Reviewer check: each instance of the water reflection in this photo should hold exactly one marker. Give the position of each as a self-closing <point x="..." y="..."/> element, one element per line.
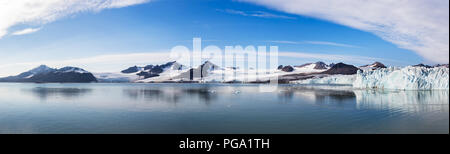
<point x="172" y="95"/>
<point x="68" y="93"/>
<point x="205" y="94"/>
<point x="407" y="101"/>
<point x="339" y="98"/>
<point x="318" y="96"/>
<point x="332" y="96"/>
<point x="153" y="95"/>
<point x="221" y="108"/>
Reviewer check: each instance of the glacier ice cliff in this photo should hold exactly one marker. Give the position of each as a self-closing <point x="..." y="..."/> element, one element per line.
<point x="408" y="78"/>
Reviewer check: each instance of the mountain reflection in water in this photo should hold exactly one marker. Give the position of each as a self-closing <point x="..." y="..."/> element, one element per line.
<point x="171" y="95"/>
<point x="67" y="93"/>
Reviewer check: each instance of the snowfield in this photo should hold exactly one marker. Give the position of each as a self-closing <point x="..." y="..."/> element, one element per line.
<point x="333" y="79"/>
<point x="116" y="77"/>
<point x="172" y="74"/>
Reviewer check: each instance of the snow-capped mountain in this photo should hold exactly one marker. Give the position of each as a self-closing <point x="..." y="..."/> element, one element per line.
<point x="209" y="72"/>
<point x="312" y="67"/>
<point x="180" y="73"/>
<point x="39" y="69"/>
<point x="328" y="74"/>
<point x="141" y="74"/>
<point x="341" y="68"/>
<point x="46" y="74"/>
<point x="374" y="66"/>
<point x="316" y="70"/>
<point x="286" y="68"/>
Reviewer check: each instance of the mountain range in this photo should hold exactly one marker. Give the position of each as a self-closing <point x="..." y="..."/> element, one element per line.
<point x="206" y="72"/>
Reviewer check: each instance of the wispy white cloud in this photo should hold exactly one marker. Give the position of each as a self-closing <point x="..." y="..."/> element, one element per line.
<point x="331" y="44"/>
<point x="15" y="12"/>
<point x="418" y="25"/>
<point x="317" y="43"/>
<point x="260" y="14"/>
<point x="26" y="31"/>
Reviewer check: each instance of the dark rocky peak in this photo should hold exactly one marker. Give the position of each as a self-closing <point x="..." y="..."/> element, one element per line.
<point x="341" y="68"/>
<point x="148" y="67"/>
<point x="287" y="69"/>
<point x="376" y="65"/>
<point x="423" y="65"/>
<point x="133" y="69"/>
<point x="379" y="65"/>
<point x="150" y="71"/>
<point x="169" y="64"/>
<point x="160" y="68"/>
<point x="280" y="67"/>
<point x="441" y="65"/>
<point x="332" y="64"/>
<point x="320" y="66"/>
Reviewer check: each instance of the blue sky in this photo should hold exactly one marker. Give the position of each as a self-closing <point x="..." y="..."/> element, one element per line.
<point x="157" y="26"/>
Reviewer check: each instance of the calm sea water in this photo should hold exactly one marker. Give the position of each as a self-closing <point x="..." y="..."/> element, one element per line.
<point x="217" y="108"/>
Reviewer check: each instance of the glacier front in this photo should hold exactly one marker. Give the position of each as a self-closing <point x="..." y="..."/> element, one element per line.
<point x="407" y="78"/>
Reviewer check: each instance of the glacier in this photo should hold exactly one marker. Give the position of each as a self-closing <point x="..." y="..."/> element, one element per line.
<point x="407" y="78"/>
<point x="333" y="79"/>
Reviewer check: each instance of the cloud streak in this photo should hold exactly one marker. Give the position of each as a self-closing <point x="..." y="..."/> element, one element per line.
<point x="26" y="31"/>
<point x="317" y="43"/>
<point x="418" y="25"/>
<point x="17" y="12"/>
<point x="260" y="14"/>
